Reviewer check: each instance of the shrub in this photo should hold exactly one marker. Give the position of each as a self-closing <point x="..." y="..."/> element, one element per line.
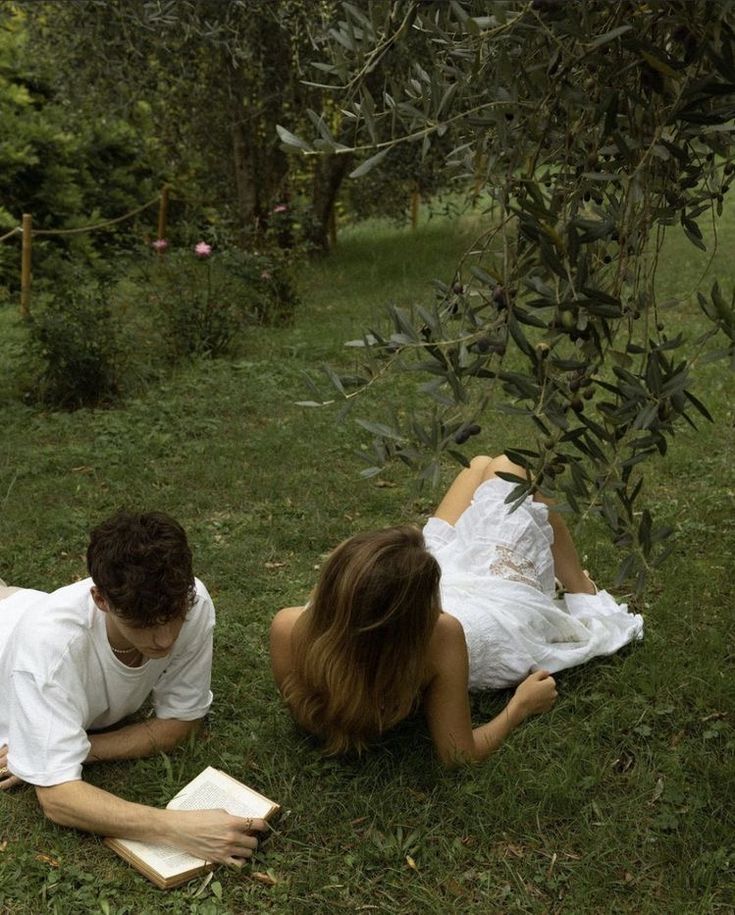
<point x="206" y="299"/>
<point x="76" y="341"/>
<point x="202" y="308"/>
<point x="272" y="300"/>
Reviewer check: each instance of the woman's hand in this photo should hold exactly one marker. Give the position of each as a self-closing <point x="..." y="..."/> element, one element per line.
<point x="536" y="694"/>
<point x="6" y="779"/>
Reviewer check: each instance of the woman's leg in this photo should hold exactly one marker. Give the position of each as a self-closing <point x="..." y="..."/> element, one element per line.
<point x="567" y="567"/>
<point x="459" y="495"/>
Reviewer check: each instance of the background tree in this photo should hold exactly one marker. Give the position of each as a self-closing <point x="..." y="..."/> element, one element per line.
<point x="216" y="77"/>
<point x="591" y="127"/>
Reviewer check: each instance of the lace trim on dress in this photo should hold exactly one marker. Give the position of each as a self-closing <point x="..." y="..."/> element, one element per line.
<point x="509" y="565"/>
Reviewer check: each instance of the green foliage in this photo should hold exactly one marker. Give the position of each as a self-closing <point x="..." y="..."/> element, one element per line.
<point x="207" y="301"/>
<point x="272" y="298"/>
<point x="585" y="136"/>
<point x="76" y="340"/>
<point x="108" y="332"/>
<point x="591" y="809"/>
<point x="202" y="307"/>
<point x="216" y="76"/>
<point x="66" y="165"/>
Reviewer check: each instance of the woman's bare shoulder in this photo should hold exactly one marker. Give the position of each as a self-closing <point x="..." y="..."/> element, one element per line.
<point x="447" y="627"/>
<point x="447" y="643"/>
<point x="283" y="621"/>
<point x="280" y="641"/>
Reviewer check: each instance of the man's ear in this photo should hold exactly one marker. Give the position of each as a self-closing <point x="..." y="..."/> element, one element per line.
<point x="100" y="600"/>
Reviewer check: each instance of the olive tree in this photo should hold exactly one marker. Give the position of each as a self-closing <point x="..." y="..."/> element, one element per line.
<point x="592" y="127"/>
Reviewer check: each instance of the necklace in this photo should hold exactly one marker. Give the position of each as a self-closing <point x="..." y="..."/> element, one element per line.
<point x="123" y="650"/>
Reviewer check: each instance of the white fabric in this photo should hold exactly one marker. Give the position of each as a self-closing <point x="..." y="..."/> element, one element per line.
<point x="498" y="581"/>
<point x="59" y="678"/>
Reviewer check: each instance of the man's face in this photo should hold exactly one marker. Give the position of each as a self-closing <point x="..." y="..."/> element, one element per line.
<point x="151" y="641"/>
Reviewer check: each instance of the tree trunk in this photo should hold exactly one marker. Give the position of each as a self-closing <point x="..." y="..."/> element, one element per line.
<point x="244" y="160"/>
<point x="247" y="193"/>
<point x="328" y="176"/>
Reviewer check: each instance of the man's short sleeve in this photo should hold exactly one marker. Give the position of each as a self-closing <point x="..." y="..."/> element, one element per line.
<point x="46" y="739"/>
<point x="183" y="690"/>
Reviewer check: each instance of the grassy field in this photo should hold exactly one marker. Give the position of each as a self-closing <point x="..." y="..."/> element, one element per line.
<point x="620" y="800"/>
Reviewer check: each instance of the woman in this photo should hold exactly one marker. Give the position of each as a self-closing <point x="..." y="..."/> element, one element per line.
<point x="399" y="619"/>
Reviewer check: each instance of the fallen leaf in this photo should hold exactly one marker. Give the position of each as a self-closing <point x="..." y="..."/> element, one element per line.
<point x="274" y="565"/>
<point x="47" y="859"/>
<point x="411" y="863"/>
<point x="358" y="821"/>
<point x="204" y="884"/>
<point x="714" y="716"/>
<point x="3" y="845"/>
<point x="657" y="791"/>
<point x="454" y="887"/>
<point x="264" y="878"/>
<point x="515" y="851"/>
<point x="384" y="484"/>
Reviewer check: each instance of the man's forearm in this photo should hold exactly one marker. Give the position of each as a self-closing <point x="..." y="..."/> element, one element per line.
<point x="213" y="835"/>
<point x="92" y="809"/>
<point x="144" y="738"/>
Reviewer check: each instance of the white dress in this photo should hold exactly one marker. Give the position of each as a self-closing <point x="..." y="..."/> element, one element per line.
<point x="498" y="581"/>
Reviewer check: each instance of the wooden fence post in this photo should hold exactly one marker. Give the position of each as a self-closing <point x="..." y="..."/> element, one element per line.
<point x="163" y="212"/>
<point x="25" y="266"/>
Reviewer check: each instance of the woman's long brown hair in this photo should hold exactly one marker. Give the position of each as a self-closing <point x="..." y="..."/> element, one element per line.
<point x="360" y="658"/>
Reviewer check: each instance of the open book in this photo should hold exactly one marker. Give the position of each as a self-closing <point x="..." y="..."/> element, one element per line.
<point x="212" y="789"/>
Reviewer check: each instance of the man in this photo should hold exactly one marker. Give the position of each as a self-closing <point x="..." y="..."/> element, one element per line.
<point x="77" y="661"/>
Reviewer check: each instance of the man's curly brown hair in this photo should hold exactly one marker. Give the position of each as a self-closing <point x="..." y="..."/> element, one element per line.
<point x="141" y="563"/>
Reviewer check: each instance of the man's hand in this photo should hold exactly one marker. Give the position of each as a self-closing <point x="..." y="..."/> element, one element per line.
<point x="6" y="779"/>
<point x="215" y="835"/>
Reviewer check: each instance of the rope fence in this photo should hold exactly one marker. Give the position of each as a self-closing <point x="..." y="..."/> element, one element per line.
<point x="27" y="233"/>
<point x="13" y="231"/>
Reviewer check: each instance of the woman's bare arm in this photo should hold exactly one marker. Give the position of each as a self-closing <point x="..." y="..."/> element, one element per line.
<point x="447" y="706"/>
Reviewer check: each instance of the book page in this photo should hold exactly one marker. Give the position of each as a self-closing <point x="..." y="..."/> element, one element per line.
<point x="213" y="790"/>
<point x="167" y="860"/>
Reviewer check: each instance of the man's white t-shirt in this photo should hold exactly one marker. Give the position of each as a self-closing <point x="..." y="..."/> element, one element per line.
<point x="59" y="678"/>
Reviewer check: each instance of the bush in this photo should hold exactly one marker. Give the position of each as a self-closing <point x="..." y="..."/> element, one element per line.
<point x="201" y="308"/>
<point x="76" y="341"/>
<point x="206" y="299"/>
<point x="271" y="297"/>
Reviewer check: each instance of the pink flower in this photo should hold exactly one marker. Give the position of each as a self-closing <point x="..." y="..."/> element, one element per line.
<point x="280" y="208"/>
<point x="202" y="249"/>
<point x="265" y="275"/>
<point x="159" y="245"/>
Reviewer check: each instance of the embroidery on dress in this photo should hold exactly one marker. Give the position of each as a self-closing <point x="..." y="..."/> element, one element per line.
<point x="512" y="567"/>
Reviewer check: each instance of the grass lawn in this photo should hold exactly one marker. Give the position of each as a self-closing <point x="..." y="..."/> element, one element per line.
<point x="620" y="800"/>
